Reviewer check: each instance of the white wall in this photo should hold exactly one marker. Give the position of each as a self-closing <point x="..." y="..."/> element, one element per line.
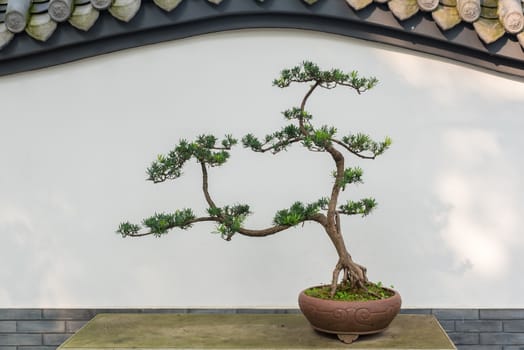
<point x="75" y="141"/>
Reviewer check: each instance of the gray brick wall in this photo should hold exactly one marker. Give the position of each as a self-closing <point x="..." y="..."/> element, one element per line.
<point x="470" y="329"/>
<point x="482" y="329"/>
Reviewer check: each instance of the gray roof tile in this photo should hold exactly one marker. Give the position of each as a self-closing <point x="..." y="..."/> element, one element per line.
<point x="84" y="17"/>
<point x="5" y="35"/>
<point x="492" y="21"/>
<point x="124" y="10"/>
<point x="167" y="5"/>
<point x="359" y="4"/>
<point x="41" y="27"/>
<point x="505" y="14"/>
<point x="403" y="9"/>
<point x="60" y="10"/>
<point x="489" y="30"/>
<point x="446" y="17"/>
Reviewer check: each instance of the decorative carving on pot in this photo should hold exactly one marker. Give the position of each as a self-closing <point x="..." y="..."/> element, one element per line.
<point x="349" y="317"/>
<point x="60" y="10"/>
<point x="510" y="14"/>
<point x="17" y="15"/>
<point x="469" y="10"/>
<point x="428" y="5"/>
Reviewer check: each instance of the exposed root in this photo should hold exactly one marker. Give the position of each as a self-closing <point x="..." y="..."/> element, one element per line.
<point x="353" y="274"/>
<point x="334" y="280"/>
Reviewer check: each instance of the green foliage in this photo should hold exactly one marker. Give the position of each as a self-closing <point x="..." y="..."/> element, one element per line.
<point x="329" y="79"/>
<point x="362" y="207"/>
<point x="229" y="141"/>
<point x="231" y="219"/>
<point x="170" y="166"/>
<point x="314" y="139"/>
<point x="360" y="143"/>
<point x="296" y="113"/>
<point x="318" y="140"/>
<point x="209" y="151"/>
<point x="299" y="212"/>
<point x="276" y="142"/>
<point x="350" y="176"/>
<point x="250" y="141"/>
<point x="128" y="229"/>
<point x="204" y="149"/>
<point x="159" y="223"/>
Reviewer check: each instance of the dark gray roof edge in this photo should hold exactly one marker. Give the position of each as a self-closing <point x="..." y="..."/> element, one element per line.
<point x="152" y="25"/>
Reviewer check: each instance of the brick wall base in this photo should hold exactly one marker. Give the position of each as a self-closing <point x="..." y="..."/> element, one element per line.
<point x="470" y="329"/>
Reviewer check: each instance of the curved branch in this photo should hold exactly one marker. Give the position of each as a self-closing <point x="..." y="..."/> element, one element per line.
<point x="335" y="191"/>
<point x="351" y="151"/>
<point x="264" y="232"/>
<point x="190" y="222"/>
<point x="205" y="186"/>
<point x="301" y="81"/>
<point x="310" y="91"/>
<point x="303" y="106"/>
<point x="358" y="89"/>
<point x="319" y="218"/>
<point x="280" y="144"/>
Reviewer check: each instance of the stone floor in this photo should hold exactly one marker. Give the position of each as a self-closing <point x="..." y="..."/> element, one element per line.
<point x="245" y="331"/>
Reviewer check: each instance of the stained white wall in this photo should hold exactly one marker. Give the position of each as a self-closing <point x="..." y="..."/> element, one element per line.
<point x="75" y="141"/>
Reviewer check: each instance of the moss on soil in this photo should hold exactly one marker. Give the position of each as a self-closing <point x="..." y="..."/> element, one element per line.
<point x="373" y="291"/>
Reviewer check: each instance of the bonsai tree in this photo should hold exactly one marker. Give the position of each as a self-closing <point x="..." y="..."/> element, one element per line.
<point x="209" y="151"/>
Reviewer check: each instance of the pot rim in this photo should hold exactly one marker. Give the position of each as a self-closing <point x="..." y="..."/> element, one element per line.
<point x="395" y="295"/>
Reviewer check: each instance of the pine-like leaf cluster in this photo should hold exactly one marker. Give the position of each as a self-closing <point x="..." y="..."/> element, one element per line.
<point x="319" y="139"/>
<point x="209" y="151"/>
<point x="128" y="229"/>
<point x="231" y="219"/>
<point x="363" y="144"/>
<point x="296" y="114"/>
<point x="275" y="142"/>
<point x="362" y="207"/>
<point x="204" y="149"/>
<point x="299" y="212"/>
<point x="329" y="79"/>
<point x="160" y="223"/>
<point x="350" y="176"/>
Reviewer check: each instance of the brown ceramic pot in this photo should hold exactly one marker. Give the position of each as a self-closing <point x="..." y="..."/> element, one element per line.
<point x="349" y="317"/>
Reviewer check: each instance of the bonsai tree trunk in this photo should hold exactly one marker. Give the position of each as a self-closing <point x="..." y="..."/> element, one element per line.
<point x="352" y="273"/>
